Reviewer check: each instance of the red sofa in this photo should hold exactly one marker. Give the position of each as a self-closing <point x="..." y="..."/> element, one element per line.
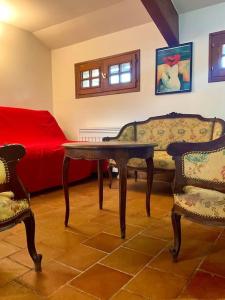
<point x="38" y="131"/>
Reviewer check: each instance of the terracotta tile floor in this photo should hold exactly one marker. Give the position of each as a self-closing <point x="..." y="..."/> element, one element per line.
<point x="88" y="260"/>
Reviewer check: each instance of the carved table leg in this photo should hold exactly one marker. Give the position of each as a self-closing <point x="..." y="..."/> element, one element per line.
<point x="122" y="167"/>
<point x="150" y="171"/>
<point x="66" y="163"/>
<point x="100" y="182"/>
<point x="110" y="176"/>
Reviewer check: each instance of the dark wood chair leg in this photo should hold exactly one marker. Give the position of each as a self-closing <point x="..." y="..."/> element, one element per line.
<point x="30" y="232"/>
<point x="177" y="235"/>
<point x="110" y="176"/>
<point x="150" y="171"/>
<point x="135" y="175"/>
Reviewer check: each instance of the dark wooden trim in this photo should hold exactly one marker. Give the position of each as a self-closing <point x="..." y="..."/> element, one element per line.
<point x="177" y="149"/>
<point x="211" y="77"/>
<point x="172" y="115"/>
<point x="105" y="89"/>
<point x="166" y="19"/>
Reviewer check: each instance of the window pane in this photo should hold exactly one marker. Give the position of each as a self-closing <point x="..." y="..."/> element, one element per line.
<point x="95" y="82"/>
<point x="109" y="75"/>
<point x="223" y="62"/>
<point x="126" y="77"/>
<point x="95" y="73"/>
<point x="125" y="67"/>
<point x="85" y="74"/>
<point x="223" y="49"/>
<point x="114" y="69"/>
<point x="114" y="79"/>
<point x="86" y="83"/>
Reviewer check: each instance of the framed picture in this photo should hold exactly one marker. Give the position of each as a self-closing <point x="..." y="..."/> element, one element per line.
<point x="174" y="69"/>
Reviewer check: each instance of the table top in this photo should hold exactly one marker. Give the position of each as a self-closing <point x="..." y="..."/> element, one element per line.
<point x="110" y="144"/>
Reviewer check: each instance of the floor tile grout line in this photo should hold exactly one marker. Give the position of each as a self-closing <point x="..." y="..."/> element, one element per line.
<point x="124" y="286"/>
<point x="99" y="262"/>
<point x="76" y="289"/>
<point x="211" y="273"/>
<point x="27" y="286"/>
<point x="120" y="246"/>
<point x="189" y="279"/>
<point x="107" y="254"/>
<point x="129" y="291"/>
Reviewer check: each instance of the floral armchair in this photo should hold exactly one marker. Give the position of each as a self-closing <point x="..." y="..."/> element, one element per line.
<point x="199" y="187"/>
<point x="14" y="200"/>
<point x="164" y="130"/>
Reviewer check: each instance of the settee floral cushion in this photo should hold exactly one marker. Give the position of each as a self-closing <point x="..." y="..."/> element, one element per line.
<point x="203" y="202"/>
<point x="166" y="131"/>
<point x="218" y="130"/>
<point x="208" y="166"/>
<point x="161" y="159"/>
<point x="10" y="208"/>
<point x="3" y="176"/>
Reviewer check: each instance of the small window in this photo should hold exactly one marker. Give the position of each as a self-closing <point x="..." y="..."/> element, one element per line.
<point x="110" y="75"/>
<point x="217" y="56"/>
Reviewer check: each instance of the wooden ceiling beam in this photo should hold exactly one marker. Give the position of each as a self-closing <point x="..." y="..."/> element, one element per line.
<point x="166" y="19"/>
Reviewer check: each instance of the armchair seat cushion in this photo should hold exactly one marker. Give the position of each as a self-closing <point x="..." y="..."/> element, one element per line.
<point x="203" y="202"/>
<point x="10" y="208"/>
<point x="162" y="160"/>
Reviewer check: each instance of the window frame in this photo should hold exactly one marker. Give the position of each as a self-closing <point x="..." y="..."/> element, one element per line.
<point x="216" y="41"/>
<point x="103" y="64"/>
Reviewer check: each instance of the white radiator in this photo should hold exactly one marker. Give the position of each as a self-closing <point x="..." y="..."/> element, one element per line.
<point x="95" y="134"/>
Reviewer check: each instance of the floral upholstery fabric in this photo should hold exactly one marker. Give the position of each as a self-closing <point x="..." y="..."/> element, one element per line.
<point x="161" y="161"/>
<point x="218" y="130"/>
<point x="165" y="131"/>
<point x="203" y="202"/>
<point x="209" y="166"/>
<point x="10" y="208"/>
<point x="127" y="134"/>
<point x="3" y="176"/>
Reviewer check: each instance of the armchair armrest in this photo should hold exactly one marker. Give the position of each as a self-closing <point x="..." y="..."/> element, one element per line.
<point x="199" y="164"/>
<point x="10" y="155"/>
<point x="180" y="148"/>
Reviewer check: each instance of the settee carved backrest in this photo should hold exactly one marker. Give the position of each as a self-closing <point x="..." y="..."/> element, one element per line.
<point x="9" y="181"/>
<point x="173" y="127"/>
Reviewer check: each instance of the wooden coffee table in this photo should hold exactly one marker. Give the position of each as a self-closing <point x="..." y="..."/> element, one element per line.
<point x="121" y="152"/>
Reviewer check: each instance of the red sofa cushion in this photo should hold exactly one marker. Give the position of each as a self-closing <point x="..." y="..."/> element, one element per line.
<point x="38" y="131"/>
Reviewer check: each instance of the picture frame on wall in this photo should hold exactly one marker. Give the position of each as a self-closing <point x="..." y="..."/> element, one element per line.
<point x="174" y="69"/>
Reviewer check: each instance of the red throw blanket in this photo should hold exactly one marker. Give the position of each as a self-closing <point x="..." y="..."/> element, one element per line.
<point x="39" y="133"/>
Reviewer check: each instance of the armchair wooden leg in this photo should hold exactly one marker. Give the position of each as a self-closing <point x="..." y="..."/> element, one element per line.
<point x="30" y="231"/>
<point x="136" y="175"/>
<point x="110" y="176"/>
<point x="177" y="235"/>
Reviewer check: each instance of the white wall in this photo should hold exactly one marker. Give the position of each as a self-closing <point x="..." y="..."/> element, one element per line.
<point x="111" y="110"/>
<point x="206" y="98"/>
<point x="25" y="70"/>
<point x="116" y="110"/>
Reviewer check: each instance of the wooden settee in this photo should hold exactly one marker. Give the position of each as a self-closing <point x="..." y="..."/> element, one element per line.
<point x="164" y="130"/>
